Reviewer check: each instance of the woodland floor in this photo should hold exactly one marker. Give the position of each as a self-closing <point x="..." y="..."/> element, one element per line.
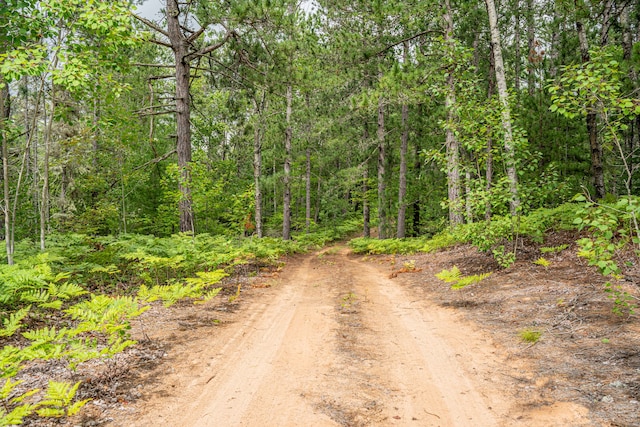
<point x="336" y="339"/>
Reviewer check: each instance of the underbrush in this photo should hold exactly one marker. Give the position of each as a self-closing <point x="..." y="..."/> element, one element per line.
<point x="612" y="242"/>
<point x="75" y="302"/>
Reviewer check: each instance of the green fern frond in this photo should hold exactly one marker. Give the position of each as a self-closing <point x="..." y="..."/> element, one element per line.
<point x="209" y="296"/>
<point x="63" y="275"/>
<point x="449" y="276"/>
<point x="109" y="269"/>
<point x="8" y="387"/>
<point x="46" y="334"/>
<point x="13" y="322"/>
<point x="16" y="416"/>
<point x="69" y="290"/>
<point x="35" y="296"/>
<point x="55" y="305"/>
<point x="470" y="280"/>
<point x="543" y="262"/>
<point x="59" y="394"/>
<point x="553" y="249"/>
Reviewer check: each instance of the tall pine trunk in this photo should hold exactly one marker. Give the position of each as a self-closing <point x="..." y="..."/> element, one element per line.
<point x="180" y="48"/>
<point x="382" y="200"/>
<point x="257" y="166"/>
<point x="307" y="192"/>
<point x="402" y="186"/>
<point x="288" y="136"/>
<point x="366" y="208"/>
<point x="501" y="82"/>
<point x="451" y="142"/>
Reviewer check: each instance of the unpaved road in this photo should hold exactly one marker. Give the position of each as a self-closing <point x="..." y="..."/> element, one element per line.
<point x="335" y="342"/>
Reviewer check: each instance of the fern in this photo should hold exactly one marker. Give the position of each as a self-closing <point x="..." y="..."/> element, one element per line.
<point x="553" y="249"/>
<point x="458" y="281"/>
<point x="449" y="276"/>
<point x="13" y="322"/>
<point x="543" y="262"/>
<point x="16" y="416"/>
<point x="470" y="280"/>
<point x="57" y="401"/>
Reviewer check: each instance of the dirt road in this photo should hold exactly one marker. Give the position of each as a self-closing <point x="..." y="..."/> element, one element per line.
<point x="335" y="342"/>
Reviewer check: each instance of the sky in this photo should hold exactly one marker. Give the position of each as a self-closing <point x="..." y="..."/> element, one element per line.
<point x="150" y="9"/>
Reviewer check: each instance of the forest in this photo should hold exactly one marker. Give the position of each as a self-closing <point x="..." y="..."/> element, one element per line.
<point x="144" y="157"/>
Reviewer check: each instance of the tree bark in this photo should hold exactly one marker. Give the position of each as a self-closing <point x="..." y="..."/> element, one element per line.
<point x="382" y="201"/>
<point x="44" y="197"/>
<point x="402" y="186"/>
<point x="288" y="136"/>
<point x="180" y="49"/>
<point x="518" y="54"/>
<point x="489" y="166"/>
<point x="417" y="167"/>
<point x="257" y="164"/>
<point x="307" y="199"/>
<point x="402" y="190"/>
<point x="451" y="143"/>
<point x="597" y="169"/>
<point x="366" y="208"/>
<point x="503" y="95"/>
<point x="531" y="45"/>
<point x="307" y="189"/>
<point x="5" y="113"/>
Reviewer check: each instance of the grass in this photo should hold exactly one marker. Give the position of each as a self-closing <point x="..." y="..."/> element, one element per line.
<point x="529" y="335"/>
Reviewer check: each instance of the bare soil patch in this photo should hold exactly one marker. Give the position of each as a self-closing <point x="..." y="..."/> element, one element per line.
<point x="586" y="355"/>
<point x="336" y="339"/>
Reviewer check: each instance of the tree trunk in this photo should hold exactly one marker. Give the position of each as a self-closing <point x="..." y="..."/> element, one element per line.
<point x="417" y="167"/>
<point x="382" y="201"/>
<point x="44" y="197"/>
<point x="180" y="49"/>
<point x="288" y="136"/>
<point x="597" y="170"/>
<point x="402" y="186"/>
<point x="503" y="95"/>
<point x="489" y="166"/>
<point x="366" y="208"/>
<point x="402" y="190"/>
<point x="5" y="113"/>
<point x="518" y="54"/>
<point x="468" y="199"/>
<point x="531" y="45"/>
<point x="257" y="167"/>
<point x="451" y="143"/>
<point x="307" y="189"/>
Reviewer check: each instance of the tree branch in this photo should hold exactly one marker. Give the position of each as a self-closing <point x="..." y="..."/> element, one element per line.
<point x="170" y="76"/>
<point x="195" y="35"/>
<point x="150" y="24"/>
<point x="150" y="162"/>
<point x="138" y="64"/>
<point x="415" y="36"/>
<point x="155" y="113"/>
<point x="161" y="43"/>
<point x="210" y="48"/>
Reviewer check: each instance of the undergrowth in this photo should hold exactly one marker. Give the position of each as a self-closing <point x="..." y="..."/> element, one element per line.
<point x="75" y="302"/>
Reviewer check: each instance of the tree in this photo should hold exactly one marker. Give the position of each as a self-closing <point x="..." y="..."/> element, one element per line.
<point x="501" y="83"/>
<point x="183" y="41"/>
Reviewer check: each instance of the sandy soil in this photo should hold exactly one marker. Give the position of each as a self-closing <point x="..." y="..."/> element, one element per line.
<point x="333" y="340"/>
